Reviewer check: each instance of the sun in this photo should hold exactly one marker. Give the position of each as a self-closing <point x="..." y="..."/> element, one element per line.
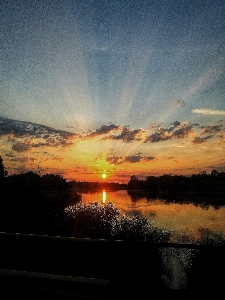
<point x="104" y="175"/>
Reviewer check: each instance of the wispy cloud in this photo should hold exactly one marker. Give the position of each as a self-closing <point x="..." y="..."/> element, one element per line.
<point x="208" y="111"/>
<point x="209" y="76"/>
<point x="179" y="102"/>
<point x="22" y="159"/>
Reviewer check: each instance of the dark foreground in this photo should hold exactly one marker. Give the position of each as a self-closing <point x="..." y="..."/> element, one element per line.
<point x="44" y="267"/>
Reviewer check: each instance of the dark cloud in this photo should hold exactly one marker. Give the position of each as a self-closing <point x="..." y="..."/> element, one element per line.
<point x="18" y="129"/>
<point x="182" y="132"/>
<point x="128" y="135"/>
<point x="128" y="159"/>
<point x="28" y="133"/>
<point x="176" y="124"/>
<point x="154" y="125"/>
<point x="137" y="158"/>
<point x="132" y="158"/>
<point x="46" y="136"/>
<point x="176" y="131"/>
<point x="199" y="140"/>
<point x="53" y="141"/>
<point x="117" y="132"/>
<point x="162" y="134"/>
<point x="212" y="130"/>
<point x="104" y="129"/>
<point x="21" y="129"/>
<point x="21" y="147"/>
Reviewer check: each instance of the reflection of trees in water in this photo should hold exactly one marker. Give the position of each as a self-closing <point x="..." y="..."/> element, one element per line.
<point x="202" y="200"/>
<point x="201" y="189"/>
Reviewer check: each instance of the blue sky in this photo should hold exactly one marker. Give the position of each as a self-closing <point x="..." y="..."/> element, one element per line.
<point x="131" y="81"/>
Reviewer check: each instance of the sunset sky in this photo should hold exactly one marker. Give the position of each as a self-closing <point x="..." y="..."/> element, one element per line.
<point x="116" y="87"/>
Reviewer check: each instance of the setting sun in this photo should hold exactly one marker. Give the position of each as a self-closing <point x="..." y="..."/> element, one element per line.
<point x="103" y="175"/>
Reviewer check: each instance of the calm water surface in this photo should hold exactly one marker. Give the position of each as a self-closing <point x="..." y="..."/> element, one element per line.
<point x="183" y="218"/>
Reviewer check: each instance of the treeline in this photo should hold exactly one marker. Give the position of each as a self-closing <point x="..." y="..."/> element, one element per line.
<point x="85" y="185"/>
<point x="31" y="203"/>
<point x="196" y="183"/>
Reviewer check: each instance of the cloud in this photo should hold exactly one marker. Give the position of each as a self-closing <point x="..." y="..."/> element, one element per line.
<point x="117" y="132"/>
<point x="21" y="147"/>
<point x="210" y="129"/>
<point x="10" y="154"/>
<point x="137" y="158"/>
<point x="21" y="169"/>
<point x="154" y="125"/>
<point x="129" y="159"/>
<point x="210" y="76"/>
<point x="182" y="132"/>
<point x="46" y="136"/>
<point x="162" y="134"/>
<point x="53" y="142"/>
<point x="175" y="124"/>
<point x="199" y="140"/>
<point x="128" y="135"/>
<point x="22" y="128"/>
<point x="207" y="111"/>
<point x="22" y="159"/>
<point x="177" y="131"/>
<point x="115" y="160"/>
<point x="104" y="129"/>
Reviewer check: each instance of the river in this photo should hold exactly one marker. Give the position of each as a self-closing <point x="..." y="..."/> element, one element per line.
<point x="184" y="218"/>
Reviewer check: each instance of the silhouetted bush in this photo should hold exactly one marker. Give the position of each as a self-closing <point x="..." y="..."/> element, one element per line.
<point x="212" y="239"/>
<point x="107" y="221"/>
<point x="93" y="220"/>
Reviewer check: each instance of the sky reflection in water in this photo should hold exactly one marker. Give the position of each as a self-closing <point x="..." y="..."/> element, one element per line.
<point x="183" y="218"/>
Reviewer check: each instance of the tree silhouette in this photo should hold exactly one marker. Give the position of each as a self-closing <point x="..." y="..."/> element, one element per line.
<point x="3" y="171"/>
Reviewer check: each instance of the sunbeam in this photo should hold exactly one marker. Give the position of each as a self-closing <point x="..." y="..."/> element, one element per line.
<point x="112" y="88"/>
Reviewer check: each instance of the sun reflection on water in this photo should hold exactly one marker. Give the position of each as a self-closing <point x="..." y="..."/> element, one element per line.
<point x="104" y="197"/>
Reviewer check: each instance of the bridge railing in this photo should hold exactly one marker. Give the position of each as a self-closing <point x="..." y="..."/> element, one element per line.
<point x="161" y="267"/>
